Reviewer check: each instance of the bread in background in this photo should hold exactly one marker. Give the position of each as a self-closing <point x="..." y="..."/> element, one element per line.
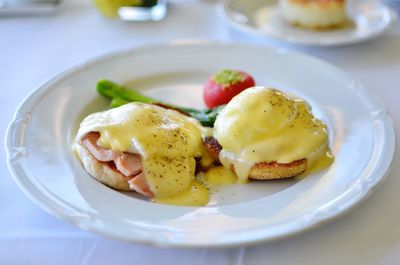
<point x="314" y="14"/>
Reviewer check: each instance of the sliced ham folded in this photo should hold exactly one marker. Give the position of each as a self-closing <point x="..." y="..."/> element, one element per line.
<point x="129" y="165"/>
<point x="139" y="184"/>
<point x="100" y="153"/>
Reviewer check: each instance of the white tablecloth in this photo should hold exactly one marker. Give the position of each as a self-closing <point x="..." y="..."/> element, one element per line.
<point x="33" y="49"/>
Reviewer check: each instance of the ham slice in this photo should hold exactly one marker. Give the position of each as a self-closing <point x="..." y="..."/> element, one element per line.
<point x="139" y="184"/>
<point x="100" y="153"/>
<point x="129" y="165"/>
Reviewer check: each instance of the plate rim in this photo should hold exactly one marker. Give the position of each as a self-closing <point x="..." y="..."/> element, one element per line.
<point x="223" y="12"/>
<point x="53" y="207"/>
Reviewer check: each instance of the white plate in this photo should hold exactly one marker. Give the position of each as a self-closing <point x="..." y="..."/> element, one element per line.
<point x="40" y="158"/>
<point x="370" y="18"/>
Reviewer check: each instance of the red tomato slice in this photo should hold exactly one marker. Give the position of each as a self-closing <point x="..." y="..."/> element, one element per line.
<point x="224" y="85"/>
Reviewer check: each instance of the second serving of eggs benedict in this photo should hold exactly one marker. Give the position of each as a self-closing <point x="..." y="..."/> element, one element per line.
<point x="264" y="134"/>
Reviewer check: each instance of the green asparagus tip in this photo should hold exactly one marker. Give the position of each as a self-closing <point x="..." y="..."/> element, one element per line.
<point x="121" y="95"/>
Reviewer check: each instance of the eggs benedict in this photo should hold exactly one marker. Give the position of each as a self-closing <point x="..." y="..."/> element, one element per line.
<point x="144" y="148"/>
<point x="265" y="134"/>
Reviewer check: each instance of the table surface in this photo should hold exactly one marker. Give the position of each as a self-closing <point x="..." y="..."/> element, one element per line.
<point x="34" y="49"/>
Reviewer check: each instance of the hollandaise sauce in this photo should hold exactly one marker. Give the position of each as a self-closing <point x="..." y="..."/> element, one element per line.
<point x="265" y="125"/>
<point x="324" y="160"/>
<point x="167" y="142"/>
<point x="220" y="176"/>
<point x="197" y="195"/>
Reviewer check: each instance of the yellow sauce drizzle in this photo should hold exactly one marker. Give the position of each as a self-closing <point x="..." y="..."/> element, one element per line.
<point x="197" y="195"/>
<point x="323" y="161"/>
<point x="220" y="176"/>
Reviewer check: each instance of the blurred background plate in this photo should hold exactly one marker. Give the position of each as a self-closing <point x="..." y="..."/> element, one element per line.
<point x="369" y="19"/>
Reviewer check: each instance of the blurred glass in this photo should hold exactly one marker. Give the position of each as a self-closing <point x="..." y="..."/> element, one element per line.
<point x="28" y="7"/>
<point x="133" y="10"/>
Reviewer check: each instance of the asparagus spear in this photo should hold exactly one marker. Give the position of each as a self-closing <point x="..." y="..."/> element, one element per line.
<point x="121" y="95"/>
